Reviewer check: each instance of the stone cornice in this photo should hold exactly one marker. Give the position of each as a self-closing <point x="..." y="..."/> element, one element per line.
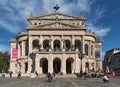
<point x="22" y="34"/>
<point x="13" y="40"/>
<point x="99" y="41"/>
<point x="90" y="34"/>
<point x="61" y="14"/>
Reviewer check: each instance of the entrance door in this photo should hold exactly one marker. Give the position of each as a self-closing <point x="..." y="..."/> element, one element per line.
<point x="44" y="65"/>
<point x="26" y="67"/>
<point x="69" y="65"/>
<point x="87" y="67"/>
<point x="56" y="65"/>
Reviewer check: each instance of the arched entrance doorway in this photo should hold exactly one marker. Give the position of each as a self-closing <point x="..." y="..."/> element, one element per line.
<point x="56" y="65"/>
<point x="69" y="65"/>
<point x="44" y="65"/>
<point x="87" y="67"/>
<point x="26" y="67"/>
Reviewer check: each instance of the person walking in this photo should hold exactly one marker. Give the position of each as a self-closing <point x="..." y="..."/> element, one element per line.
<point x="36" y="73"/>
<point x="49" y="76"/>
<point x="19" y="75"/>
<point x="10" y="73"/>
<point x="105" y="79"/>
<point x="85" y="75"/>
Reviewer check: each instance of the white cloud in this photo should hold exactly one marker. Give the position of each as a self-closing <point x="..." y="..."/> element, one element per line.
<point x="4" y="48"/>
<point x="68" y="6"/>
<point x="99" y="31"/>
<point x="98" y="13"/>
<point x="19" y="10"/>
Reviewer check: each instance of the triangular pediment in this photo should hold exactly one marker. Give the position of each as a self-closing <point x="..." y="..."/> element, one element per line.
<point x="57" y="15"/>
<point x="56" y="25"/>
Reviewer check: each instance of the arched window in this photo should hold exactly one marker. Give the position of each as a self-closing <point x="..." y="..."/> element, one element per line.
<point x="20" y="50"/>
<point x="26" y="48"/>
<point x="91" y="50"/>
<point x="78" y="44"/>
<point x="56" y="45"/>
<point x="46" y="45"/>
<point x="86" y="49"/>
<point x="67" y="45"/>
<point x="35" y="43"/>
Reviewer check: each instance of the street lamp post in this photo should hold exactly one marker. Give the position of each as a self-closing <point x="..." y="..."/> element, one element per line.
<point x="81" y="56"/>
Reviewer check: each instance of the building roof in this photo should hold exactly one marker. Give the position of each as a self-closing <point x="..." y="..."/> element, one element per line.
<point x="22" y="34"/>
<point x="13" y="40"/>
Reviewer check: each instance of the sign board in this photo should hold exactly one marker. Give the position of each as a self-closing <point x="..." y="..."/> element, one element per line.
<point x="14" y="53"/>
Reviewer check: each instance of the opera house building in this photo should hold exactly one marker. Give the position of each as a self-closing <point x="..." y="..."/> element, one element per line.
<point x="56" y="42"/>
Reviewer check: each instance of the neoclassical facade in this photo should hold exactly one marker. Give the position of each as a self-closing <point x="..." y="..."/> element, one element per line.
<point x="52" y="43"/>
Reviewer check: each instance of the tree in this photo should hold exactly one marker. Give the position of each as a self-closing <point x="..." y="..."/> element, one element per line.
<point x="4" y="61"/>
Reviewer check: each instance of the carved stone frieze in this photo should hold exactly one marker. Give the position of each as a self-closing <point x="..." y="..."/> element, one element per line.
<point x="57" y="25"/>
<point x="58" y="15"/>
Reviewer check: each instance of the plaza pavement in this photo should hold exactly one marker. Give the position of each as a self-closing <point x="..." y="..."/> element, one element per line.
<point x="60" y="81"/>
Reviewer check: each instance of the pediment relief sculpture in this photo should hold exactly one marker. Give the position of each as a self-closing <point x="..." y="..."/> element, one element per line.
<point x="56" y="25"/>
<point x="58" y="15"/>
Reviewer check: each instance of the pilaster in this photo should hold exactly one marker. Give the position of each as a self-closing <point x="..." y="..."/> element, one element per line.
<point x="23" y="48"/>
<point x="63" y="64"/>
<point x="77" y="62"/>
<point x="73" y="40"/>
<point x="63" y="43"/>
<point x="83" y="44"/>
<point x="18" y="50"/>
<point x="23" y="67"/>
<point x="89" y="49"/>
<point x="93" y="50"/>
<point x="37" y="64"/>
<point x="50" y="64"/>
<point x="52" y="42"/>
<point x="30" y="43"/>
<point x="41" y="41"/>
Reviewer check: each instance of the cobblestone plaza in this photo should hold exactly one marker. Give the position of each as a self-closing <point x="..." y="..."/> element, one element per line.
<point x="59" y="82"/>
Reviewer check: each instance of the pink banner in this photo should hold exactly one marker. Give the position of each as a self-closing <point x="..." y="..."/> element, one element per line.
<point x="14" y="53"/>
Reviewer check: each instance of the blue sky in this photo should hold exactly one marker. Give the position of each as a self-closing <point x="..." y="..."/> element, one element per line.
<point x="103" y="17"/>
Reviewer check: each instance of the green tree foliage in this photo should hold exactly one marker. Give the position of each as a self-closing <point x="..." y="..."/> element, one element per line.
<point x="4" y="61"/>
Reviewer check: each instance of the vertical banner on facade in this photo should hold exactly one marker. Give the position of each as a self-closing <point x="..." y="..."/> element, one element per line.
<point x="14" y="53"/>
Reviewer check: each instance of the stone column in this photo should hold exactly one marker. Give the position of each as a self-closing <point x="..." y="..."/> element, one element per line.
<point x="23" y="48"/>
<point x="22" y="67"/>
<point x="52" y="42"/>
<point x="18" y="50"/>
<point x="37" y="64"/>
<point x="63" y="43"/>
<point x="30" y="44"/>
<point x="63" y="64"/>
<point x="93" y="50"/>
<point x="83" y="44"/>
<point x="41" y="41"/>
<point x="73" y="42"/>
<point x="89" y="49"/>
<point x="50" y="64"/>
<point x="77" y="64"/>
<point x="29" y="65"/>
